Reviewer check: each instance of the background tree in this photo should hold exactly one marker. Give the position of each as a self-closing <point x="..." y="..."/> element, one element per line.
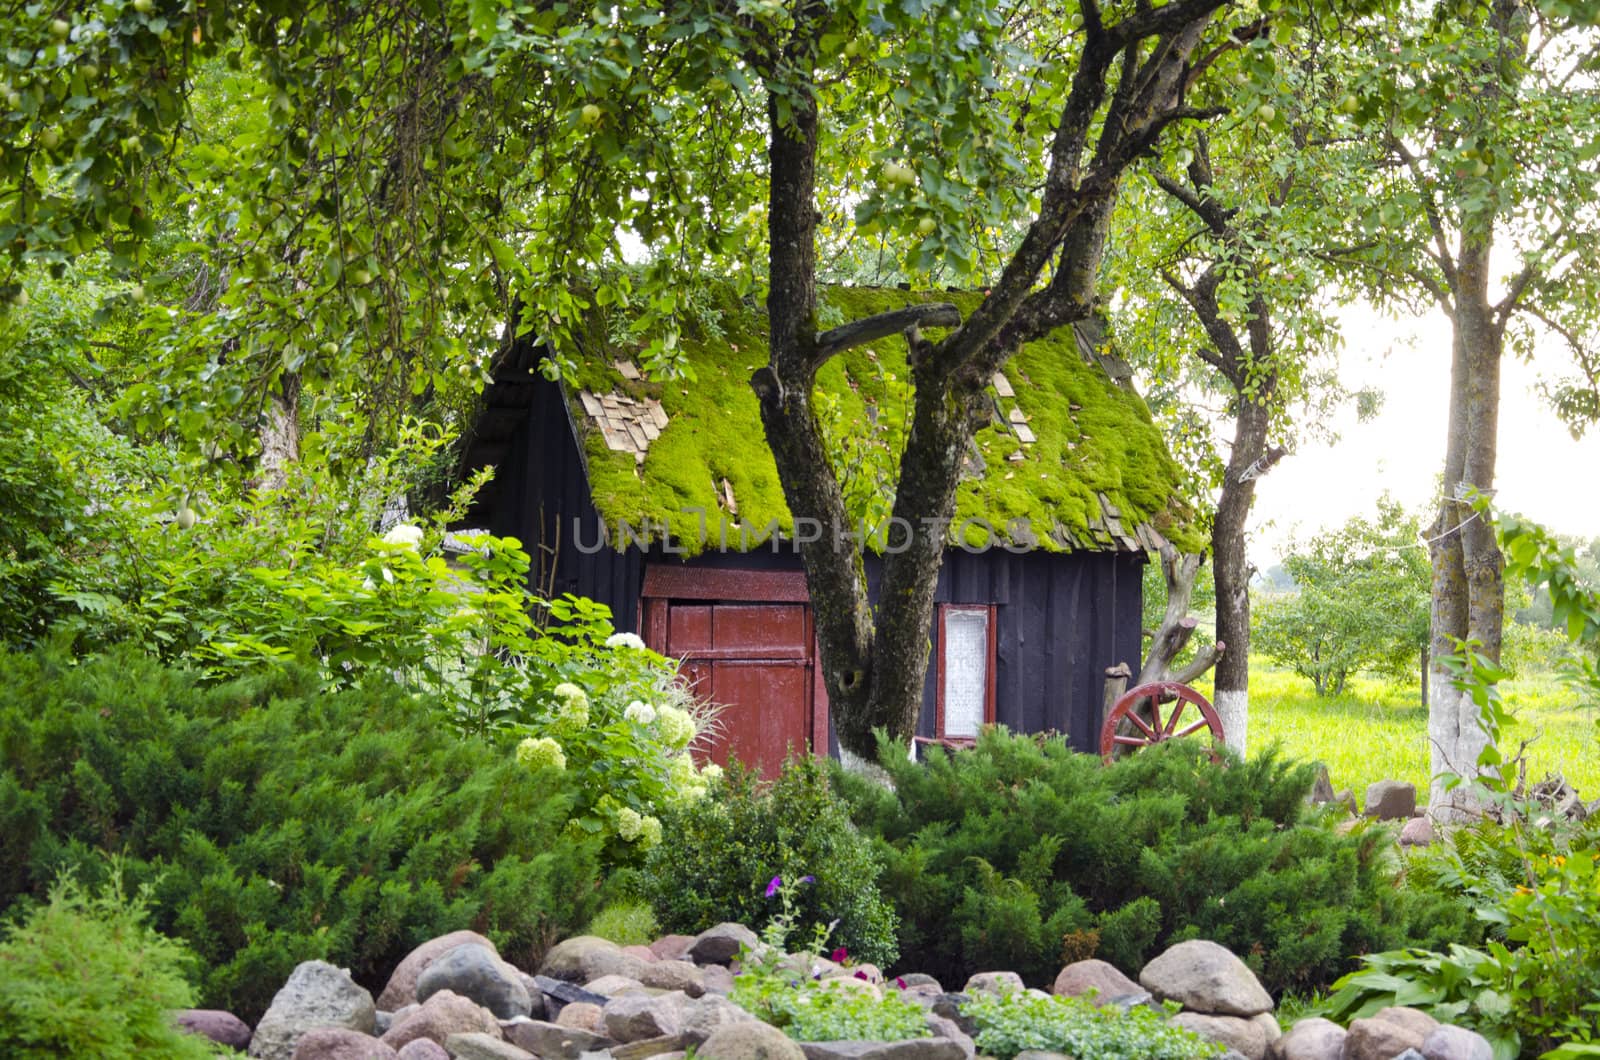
<point x="1484" y="116"/>
<point x="1360" y="601"/>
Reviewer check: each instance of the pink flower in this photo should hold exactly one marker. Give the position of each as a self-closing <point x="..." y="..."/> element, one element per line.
<point x="840" y="955"/>
<point x="899" y="982"/>
<point x="861" y="975"/>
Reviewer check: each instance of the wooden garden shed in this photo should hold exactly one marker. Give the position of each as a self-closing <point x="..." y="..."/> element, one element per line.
<point x="661" y="500"/>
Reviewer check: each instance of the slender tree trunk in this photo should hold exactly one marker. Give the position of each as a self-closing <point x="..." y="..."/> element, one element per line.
<point x="1249" y="459"/>
<point x="1468" y="581"/>
<point x="279" y="434"/>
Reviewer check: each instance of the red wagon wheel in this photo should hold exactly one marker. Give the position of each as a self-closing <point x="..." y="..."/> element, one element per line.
<point x="1125" y="727"/>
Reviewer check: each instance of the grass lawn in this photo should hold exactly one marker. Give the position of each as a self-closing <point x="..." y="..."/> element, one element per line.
<point x="1377" y="729"/>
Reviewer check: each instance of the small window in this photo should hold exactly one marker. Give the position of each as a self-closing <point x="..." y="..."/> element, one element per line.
<point x="966" y="671"/>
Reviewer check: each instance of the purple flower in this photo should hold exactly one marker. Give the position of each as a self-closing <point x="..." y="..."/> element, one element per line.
<point x="861" y="975"/>
<point x="840" y="955"/>
<point x="772" y="888"/>
<point x="808" y="879"/>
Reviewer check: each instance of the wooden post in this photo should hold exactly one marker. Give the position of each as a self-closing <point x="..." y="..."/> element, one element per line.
<point x="1116" y="684"/>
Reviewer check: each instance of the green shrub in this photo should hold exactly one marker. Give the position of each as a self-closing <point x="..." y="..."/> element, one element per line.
<point x="85" y="976"/>
<point x="275" y="823"/>
<point x="626" y="923"/>
<point x="720" y="853"/>
<point x="1017" y="1022"/>
<point x="1019" y="854"/>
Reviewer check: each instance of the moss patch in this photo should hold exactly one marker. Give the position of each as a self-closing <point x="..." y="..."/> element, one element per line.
<point x="1107" y="444"/>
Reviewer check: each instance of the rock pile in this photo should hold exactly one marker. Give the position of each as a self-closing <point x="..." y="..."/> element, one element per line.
<point x="456" y="998"/>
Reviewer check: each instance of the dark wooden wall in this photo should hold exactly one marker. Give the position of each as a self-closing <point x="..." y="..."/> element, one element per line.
<point x="1061" y="619"/>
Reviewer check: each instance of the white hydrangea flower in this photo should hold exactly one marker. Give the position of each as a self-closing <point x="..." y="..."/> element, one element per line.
<point x="404" y="534"/>
<point x="541" y="752"/>
<point x="630" y="824"/>
<point x="639" y="713"/>
<point x="649" y="832"/>
<point x="711" y="773"/>
<point x="568" y="691"/>
<point x="625" y="640"/>
<point x="675" y="726"/>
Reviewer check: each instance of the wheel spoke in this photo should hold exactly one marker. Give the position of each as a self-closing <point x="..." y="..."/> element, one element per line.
<point x="1190" y="729"/>
<point x="1177" y="709"/>
<point x="1133" y="716"/>
<point x="1130" y="741"/>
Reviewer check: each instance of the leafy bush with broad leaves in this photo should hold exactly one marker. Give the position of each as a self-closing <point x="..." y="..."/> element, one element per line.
<point x="275" y="822"/>
<point x="85" y="975"/>
<point x="720" y="854"/>
<point x="1017" y="1022"/>
<point x="1023" y="854"/>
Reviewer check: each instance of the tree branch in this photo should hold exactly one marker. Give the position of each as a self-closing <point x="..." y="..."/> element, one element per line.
<point x="882" y="325"/>
<point x="1430" y="209"/>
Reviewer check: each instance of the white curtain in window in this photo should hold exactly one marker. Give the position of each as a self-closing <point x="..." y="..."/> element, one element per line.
<point x="966" y="671"/>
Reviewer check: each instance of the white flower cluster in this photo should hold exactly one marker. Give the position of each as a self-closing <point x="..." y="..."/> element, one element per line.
<point x="639" y="713"/>
<point x="404" y="534"/>
<point x="541" y="752"/>
<point x="645" y="829"/>
<point x="572" y="705"/>
<point x="625" y="640"/>
<point x="675" y="726"/>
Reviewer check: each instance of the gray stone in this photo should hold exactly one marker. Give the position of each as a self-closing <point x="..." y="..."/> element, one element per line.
<point x="474" y="1045"/>
<point x="919" y="979"/>
<point x="556" y="994"/>
<point x="535" y="995"/>
<point x="1243" y="1036"/>
<point x="1313" y="1038"/>
<point x="382" y="1022"/>
<point x="1409" y="1054"/>
<point x="950" y="1005"/>
<point x="1391" y="800"/>
<point x="1321" y="788"/>
<point x="635" y="1017"/>
<point x="1269" y="1026"/>
<point x="749" y="1041"/>
<point x="1041" y="1054"/>
<point x="610" y="986"/>
<point x="1098" y="978"/>
<point x="644" y="953"/>
<point x="316" y="995"/>
<point x="852" y="985"/>
<point x="1346" y="798"/>
<point x="401" y="989"/>
<point x="585" y="958"/>
<point x="994" y="983"/>
<point x="224" y="1028"/>
<point x="718" y="980"/>
<point x="1206" y="977"/>
<point x="1418" y="832"/>
<point x="422" y="1049"/>
<point x="1380" y="1037"/>
<point x="552" y="1041"/>
<point x="1414" y="1020"/>
<point x="947" y="1029"/>
<point x="338" y="1043"/>
<point x="645" y="1048"/>
<point x="672" y="947"/>
<point x="909" y="1049"/>
<point x="722" y="944"/>
<point x="477" y="973"/>
<point x="702" y="1017"/>
<point x="1456" y="1043"/>
<point x="582" y="1016"/>
<point x="1127" y="1002"/>
<point x="436" y="1019"/>
<point x="675" y="975"/>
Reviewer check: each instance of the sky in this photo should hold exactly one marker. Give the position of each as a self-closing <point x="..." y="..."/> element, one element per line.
<point x="1542" y="472"/>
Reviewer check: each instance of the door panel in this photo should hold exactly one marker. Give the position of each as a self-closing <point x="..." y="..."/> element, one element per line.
<point x="765" y="711"/>
<point x="759" y="630"/>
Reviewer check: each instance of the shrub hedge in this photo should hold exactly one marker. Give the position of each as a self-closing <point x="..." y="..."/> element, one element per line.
<point x="1021" y="854"/>
<point x="274" y="823"/>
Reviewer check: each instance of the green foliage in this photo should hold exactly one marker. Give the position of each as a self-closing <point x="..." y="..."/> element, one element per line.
<point x="275" y="822"/>
<point x="627" y="923"/>
<point x="719" y="854"/>
<point x="85" y="975"/>
<point x="997" y="854"/>
<point x="1013" y="1023"/>
<point x="1361" y="601"/>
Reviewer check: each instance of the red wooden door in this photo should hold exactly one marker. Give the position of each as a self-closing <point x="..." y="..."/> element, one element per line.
<point x="755" y="659"/>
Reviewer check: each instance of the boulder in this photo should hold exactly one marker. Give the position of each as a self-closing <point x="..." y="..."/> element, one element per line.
<point x="949" y="1006"/>
<point x="919" y="981"/>
<point x="852" y="985"/>
<point x="717" y="979"/>
<point x="1418" y="832"/>
<point x="316" y="995"/>
<point x="1269" y="1026"/>
<point x="478" y="974"/>
<point x="477" y="1046"/>
<point x="945" y="1028"/>
<point x="530" y="983"/>
<point x="1098" y="978"/>
<point x="672" y="947"/>
<point x="994" y="983"/>
<point x="1321" y="788"/>
<point x="722" y="944"/>
<point x="1389" y="1032"/>
<point x="675" y="975"/>
<point x="401" y="989"/>
<point x="1391" y="800"/>
<point x="748" y="1041"/>
<point x="583" y="1016"/>
<point x="337" y="1043"/>
<point x="635" y="1017"/>
<point x="609" y="986"/>
<point x="910" y="1049"/>
<point x="224" y="1028"/>
<point x="1243" y="1036"/>
<point x="644" y="953"/>
<point x="645" y="1048"/>
<point x="555" y="994"/>
<point x="436" y="1019"/>
<point x="552" y="1041"/>
<point x="1041" y="1054"/>
<point x="585" y="958"/>
<point x="1206" y="977"/>
<point x="1456" y="1043"/>
<point x="422" y="1049"/>
<point x="1313" y="1038"/>
<point x="700" y="1018"/>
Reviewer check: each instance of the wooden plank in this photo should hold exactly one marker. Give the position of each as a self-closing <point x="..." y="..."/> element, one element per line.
<point x="1018" y="416"/>
<point x="628" y="369"/>
<point x="1002" y="385"/>
<point x="591" y="404"/>
<point x="657" y="414"/>
<point x="616" y="439"/>
<point x="1024" y="433"/>
<point x="640" y="442"/>
<point x="704" y="583"/>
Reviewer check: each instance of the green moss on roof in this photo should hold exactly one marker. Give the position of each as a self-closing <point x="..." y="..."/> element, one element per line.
<point x="1107" y="445"/>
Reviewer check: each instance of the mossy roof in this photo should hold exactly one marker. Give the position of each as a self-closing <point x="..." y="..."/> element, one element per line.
<point x="1097" y="475"/>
